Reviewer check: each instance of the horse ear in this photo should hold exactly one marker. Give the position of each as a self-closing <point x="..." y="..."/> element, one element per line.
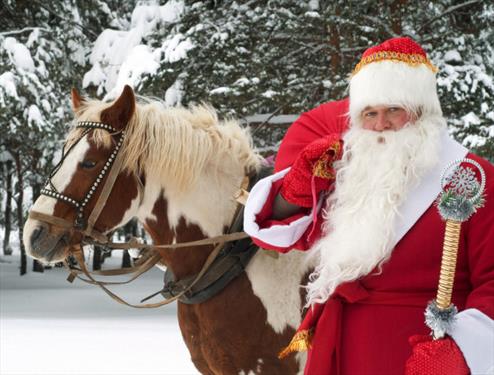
<point x="121" y="111"/>
<point x="77" y="100"/>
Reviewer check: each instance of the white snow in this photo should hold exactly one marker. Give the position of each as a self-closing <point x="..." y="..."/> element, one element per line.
<point x="312" y="14"/>
<point x="314" y="4"/>
<point x="242" y="81"/>
<point x="452" y="56"/>
<point x="148" y="15"/>
<point x="176" y="48"/>
<point x="173" y="95"/>
<point x="109" y="52"/>
<point x="470" y="119"/>
<point x="269" y="93"/>
<point x="7" y="82"/>
<point x="19" y="54"/>
<point x="139" y="62"/>
<point x="474" y="140"/>
<point x="51" y="327"/>
<point x="327" y="83"/>
<point x="220" y="90"/>
<point x="121" y="57"/>
<point x="34" y="115"/>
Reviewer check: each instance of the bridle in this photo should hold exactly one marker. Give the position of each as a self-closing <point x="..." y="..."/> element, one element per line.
<point x="111" y="169"/>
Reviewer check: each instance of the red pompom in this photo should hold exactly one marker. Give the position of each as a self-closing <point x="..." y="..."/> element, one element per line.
<point x="435" y="357"/>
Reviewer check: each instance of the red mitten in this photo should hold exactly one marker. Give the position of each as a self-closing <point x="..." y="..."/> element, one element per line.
<point x="435" y="357"/>
<point x="315" y="162"/>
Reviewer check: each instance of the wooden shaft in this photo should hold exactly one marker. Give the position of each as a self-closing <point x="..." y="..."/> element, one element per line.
<point x="448" y="264"/>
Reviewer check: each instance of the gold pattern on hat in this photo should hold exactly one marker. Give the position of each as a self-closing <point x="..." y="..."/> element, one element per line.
<point x="410" y="59"/>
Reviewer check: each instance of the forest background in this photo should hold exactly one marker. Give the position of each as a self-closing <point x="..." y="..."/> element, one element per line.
<point x="246" y="58"/>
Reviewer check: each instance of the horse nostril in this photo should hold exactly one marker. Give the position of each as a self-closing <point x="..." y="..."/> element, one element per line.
<point x="37" y="234"/>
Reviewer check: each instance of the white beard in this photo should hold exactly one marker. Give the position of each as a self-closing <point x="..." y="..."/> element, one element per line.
<point x="372" y="181"/>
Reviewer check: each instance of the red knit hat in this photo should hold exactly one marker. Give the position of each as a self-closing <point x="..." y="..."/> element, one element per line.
<point x="396" y="72"/>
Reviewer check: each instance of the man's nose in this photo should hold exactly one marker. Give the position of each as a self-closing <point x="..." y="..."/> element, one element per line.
<point x="382" y="123"/>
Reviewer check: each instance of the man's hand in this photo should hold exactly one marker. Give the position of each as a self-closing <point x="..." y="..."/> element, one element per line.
<point x="314" y="166"/>
<point x="435" y="357"/>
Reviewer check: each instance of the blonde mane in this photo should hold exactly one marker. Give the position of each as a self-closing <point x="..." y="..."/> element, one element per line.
<point x="177" y="144"/>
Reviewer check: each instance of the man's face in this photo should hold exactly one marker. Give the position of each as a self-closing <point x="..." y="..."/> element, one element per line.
<point x="380" y="118"/>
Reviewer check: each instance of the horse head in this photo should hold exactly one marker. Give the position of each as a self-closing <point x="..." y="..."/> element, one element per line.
<point x="75" y="184"/>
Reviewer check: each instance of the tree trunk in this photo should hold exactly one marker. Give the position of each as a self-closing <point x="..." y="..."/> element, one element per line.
<point x="20" y="212"/>
<point x="7" y="249"/>
<point x="126" y="261"/>
<point x="396" y="8"/>
<point x="97" y="259"/>
<point x="333" y="33"/>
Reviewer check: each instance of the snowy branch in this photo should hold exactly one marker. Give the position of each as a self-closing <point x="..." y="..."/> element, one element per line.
<point x="78" y="25"/>
<point x="447" y="11"/>
<point x="386" y="27"/>
<point x="271" y="115"/>
<point x="13" y="32"/>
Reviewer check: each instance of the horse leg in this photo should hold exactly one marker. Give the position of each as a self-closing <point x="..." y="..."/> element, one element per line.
<point x="191" y="333"/>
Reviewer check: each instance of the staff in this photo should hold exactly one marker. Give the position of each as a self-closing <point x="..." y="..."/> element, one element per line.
<point x="461" y="197"/>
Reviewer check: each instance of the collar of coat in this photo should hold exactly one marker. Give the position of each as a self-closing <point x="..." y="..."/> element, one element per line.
<point x="425" y="193"/>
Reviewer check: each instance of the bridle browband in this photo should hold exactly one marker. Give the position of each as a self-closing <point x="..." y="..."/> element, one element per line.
<point x="79" y="222"/>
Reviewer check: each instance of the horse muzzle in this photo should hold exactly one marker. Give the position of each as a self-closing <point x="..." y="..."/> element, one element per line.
<point x="43" y="244"/>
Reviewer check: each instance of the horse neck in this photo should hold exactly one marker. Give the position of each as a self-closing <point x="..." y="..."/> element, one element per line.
<point x="177" y="217"/>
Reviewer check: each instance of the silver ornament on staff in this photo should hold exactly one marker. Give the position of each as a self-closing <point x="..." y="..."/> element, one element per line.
<point x="461" y="197"/>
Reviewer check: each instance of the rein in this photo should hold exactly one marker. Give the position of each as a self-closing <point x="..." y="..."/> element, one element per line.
<point x="91" y="236"/>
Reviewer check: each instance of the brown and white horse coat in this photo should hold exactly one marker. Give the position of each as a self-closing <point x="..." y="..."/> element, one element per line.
<point x="190" y="166"/>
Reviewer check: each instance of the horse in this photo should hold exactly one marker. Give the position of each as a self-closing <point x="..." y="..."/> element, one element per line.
<point x="180" y="170"/>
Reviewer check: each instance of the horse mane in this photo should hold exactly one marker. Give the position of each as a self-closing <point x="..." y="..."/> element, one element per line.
<point x="177" y="144"/>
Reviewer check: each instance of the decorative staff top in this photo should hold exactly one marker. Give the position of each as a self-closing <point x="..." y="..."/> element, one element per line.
<point x="462" y="193"/>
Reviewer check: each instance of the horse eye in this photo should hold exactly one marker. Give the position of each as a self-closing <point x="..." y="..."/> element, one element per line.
<point x="88" y="164"/>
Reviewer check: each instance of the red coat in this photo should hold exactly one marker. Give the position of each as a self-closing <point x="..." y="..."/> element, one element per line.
<point x="364" y="327"/>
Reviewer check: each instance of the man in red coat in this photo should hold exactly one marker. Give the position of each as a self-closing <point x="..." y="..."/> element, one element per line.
<point x="355" y="185"/>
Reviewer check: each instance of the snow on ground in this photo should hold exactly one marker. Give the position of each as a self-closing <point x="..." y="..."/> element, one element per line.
<point x="49" y="326"/>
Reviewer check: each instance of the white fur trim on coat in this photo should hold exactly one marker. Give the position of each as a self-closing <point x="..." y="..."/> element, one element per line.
<point x="277" y="235"/>
<point x="394" y="83"/>
<point x="422" y="196"/>
<point x="473" y="332"/>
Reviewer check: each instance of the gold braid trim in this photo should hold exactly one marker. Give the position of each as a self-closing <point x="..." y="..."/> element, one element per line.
<point x="323" y="167"/>
<point x="301" y="342"/>
<point x="410" y="59"/>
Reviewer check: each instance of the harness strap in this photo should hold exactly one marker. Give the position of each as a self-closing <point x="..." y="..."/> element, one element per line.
<point x="79" y="256"/>
<point x="138" y="271"/>
<point x="78" y="253"/>
<point x="205" y="241"/>
<point x="105" y="192"/>
<point x="134" y="243"/>
<point x="229" y="264"/>
<point x="65" y="224"/>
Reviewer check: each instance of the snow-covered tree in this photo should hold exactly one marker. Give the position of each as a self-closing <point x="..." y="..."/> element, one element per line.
<point x="243" y="57"/>
<point x="43" y="52"/>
